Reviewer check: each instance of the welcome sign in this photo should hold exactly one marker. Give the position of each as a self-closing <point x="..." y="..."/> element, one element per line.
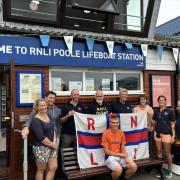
<point x="28" y="50"/>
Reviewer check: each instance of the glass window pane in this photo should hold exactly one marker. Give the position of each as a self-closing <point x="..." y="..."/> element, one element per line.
<point x="43" y="10"/>
<point x="101" y="5"/>
<point x="95" y="81"/>
<point x="66" y="81"/>
<point x="130" y="81"/>
<point x="132" y="15"/>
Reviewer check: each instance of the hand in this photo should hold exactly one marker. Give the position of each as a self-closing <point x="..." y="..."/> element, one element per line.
<point x="54" y="145"/>
<point x="25" y="132"/>
<point x="71" y="113"/>
<point x="172" y="139"/>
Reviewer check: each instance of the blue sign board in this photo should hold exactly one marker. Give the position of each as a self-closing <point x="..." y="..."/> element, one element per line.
<point x="29" y="51"/>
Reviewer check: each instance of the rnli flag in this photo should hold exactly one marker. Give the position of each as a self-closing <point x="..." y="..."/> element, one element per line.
<point x="89" y="129"/>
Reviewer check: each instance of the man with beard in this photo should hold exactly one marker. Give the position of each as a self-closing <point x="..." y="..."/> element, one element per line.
<point x="67" y="119"/>
<point x="98" y="106"/>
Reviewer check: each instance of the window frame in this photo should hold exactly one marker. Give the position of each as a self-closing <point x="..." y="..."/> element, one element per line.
<point x="97" y="9"/>
<point x="84" y="70"/>
<point x="27" y="20"/>
<point x="60" y="21"/>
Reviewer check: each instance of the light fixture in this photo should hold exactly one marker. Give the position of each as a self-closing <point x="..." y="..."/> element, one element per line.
<point x="34" y="5"/>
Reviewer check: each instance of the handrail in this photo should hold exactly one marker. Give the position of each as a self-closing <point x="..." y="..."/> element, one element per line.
<point x="25" y="159"/>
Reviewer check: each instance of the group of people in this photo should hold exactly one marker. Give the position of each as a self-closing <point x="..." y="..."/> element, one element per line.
<point x="47" y="122"/>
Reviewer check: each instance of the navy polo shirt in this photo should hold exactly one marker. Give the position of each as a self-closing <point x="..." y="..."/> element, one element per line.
<point x="118" y="107"/>
<point x="163" y="120"/>
<point x="69" y="126"/>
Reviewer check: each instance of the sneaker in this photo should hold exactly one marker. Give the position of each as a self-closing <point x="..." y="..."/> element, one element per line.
<point x="169" y="174"/>
<point x="158" y="175"/>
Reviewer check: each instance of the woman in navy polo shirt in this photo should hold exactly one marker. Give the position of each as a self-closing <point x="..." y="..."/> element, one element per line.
<point x="164" y="134"/>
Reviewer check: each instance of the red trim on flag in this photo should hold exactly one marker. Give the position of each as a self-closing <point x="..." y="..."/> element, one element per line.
<point x="136" y="137"/>
<point x="89" y="140"/>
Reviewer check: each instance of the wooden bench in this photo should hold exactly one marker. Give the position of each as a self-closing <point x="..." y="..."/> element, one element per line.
<point x="71" y="168"/>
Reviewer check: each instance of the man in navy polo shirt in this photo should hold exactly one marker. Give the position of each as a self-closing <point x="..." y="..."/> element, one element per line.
<point x="120" y="106"/>
<point x="67" y="119"/>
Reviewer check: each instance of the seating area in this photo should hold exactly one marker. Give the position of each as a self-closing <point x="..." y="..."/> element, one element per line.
<point x="72" y="171"/>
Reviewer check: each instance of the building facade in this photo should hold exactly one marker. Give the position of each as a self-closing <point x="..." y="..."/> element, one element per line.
<point x="28" y="69"/>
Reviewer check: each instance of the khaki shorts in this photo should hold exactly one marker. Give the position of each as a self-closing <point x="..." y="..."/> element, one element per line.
<point x="165" y="138"/>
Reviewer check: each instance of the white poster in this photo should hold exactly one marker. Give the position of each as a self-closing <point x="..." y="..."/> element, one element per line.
<point x="75" y="85"/>
<point x="30" y="87"/>
<point x="105" y="84"/>
<point x="56" y="84"/>
<point x="90" y="84"/>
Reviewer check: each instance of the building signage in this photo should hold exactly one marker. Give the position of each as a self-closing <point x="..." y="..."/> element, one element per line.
<point x="161" y="85"/>
<point x="26" y="50"/>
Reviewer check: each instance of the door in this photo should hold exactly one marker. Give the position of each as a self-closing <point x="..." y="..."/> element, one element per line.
<point x="4" y="123"/>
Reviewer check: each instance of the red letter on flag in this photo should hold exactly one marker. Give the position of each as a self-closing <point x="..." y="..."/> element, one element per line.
<point x="133" y="121"/>
<point x="91" y="123"/>
<point x="135" y="150"/>
<point x="92" y="160"/>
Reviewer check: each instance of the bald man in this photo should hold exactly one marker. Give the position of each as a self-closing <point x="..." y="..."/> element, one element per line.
<point x="67" y="119"/>
<point x="98" y="106"/>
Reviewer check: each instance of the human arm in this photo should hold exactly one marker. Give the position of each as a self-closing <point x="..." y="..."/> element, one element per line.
<point x="65" y="114"/>
<point x="39" y="135"/>
<point x="108" y="151"/>
<point x="25" y="130"/>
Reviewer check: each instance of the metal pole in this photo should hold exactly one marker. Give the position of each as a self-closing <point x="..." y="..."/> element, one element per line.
<point x="25" y="162"/>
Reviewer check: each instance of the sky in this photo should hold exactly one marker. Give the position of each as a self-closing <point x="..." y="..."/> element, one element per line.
<point x="169" y="9"/>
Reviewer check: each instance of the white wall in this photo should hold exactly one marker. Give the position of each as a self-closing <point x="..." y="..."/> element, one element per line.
<point x="167" y="61"/>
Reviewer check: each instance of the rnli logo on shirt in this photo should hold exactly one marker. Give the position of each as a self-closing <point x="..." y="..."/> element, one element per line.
<point x="79" y="109"/>
<point x="166" y="113"/>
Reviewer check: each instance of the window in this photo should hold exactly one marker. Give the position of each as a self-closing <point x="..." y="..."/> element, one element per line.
<point x="66" y="81"/>
<point x="130" y="81"/>
<point x="44" y="10"/>
<point x="122" y="17"/>
<point x="107" y="6"/>
<point x="95" y="81"/>
<point x="133" y="15"/>
<point x="62" y="81"/>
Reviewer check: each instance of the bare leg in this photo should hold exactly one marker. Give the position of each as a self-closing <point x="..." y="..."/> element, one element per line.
<point x="167" y="149"/>
<point x="159" y="149"/>
<point x="40" y="170"/>
<point x="116" y="173"/>
<point x="52" y="166"/>
<point x="132" y="168"/>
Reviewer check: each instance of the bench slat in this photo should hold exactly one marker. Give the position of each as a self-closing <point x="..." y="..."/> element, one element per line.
<point x="71" y="167"/>
<point x="70" y="158"/>
<point x="70" y="163"/>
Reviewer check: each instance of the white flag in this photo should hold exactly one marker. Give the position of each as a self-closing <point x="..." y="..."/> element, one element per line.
<point x="110" y="46"/>
<point x="69" y="43"/>
<point x="176" y="53"/>
<point x="144" y="48"/>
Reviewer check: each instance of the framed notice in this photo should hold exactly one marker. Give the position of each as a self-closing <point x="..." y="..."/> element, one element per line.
<point x="29" y="87"/>
<point x="160" y="85"/>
